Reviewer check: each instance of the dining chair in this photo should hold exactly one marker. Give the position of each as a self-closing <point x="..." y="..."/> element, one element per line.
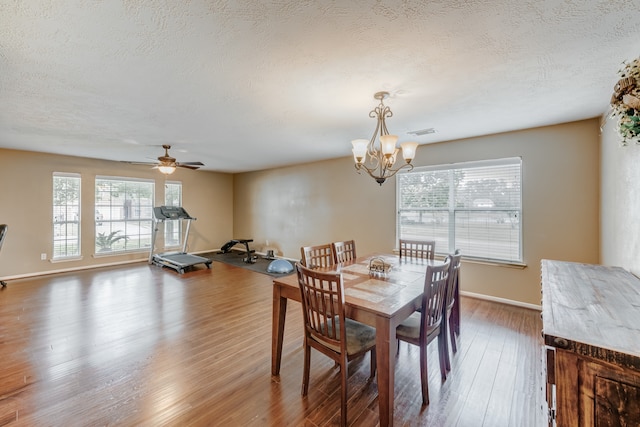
<point x="423" y="327"/>
<point x="423" y="249"/>
<point x="448" y="325"/>
<point x="317" y="256"/>
<point x="328" y="330"/>
<point x="344" y="251"/>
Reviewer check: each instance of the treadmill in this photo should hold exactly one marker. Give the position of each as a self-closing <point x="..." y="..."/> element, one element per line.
<point x="178" y="261"/>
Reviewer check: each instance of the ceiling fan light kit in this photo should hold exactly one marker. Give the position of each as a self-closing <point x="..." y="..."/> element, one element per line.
<point x="167" y="170"/>
<point x="377" y="156"/>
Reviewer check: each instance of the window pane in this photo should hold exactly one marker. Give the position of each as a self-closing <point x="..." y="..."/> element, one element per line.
<point x="474" y="207"/>
<point x="66" y="215"/>
<point x="123" y="214"/>
<point x="488" y="234"/>
<point x="490" y="187"/>
<point x="425" y="224"/>
<point x="424" y="190"/>
<point x="173" y="229"/>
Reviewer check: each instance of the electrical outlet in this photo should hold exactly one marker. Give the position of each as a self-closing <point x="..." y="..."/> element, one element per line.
<point x="43" y="257"/>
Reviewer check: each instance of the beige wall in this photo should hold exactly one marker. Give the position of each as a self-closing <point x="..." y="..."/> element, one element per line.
<point x="327" y="201"/>
<point x="26" y="200"/>
<point x="620" y="206"/>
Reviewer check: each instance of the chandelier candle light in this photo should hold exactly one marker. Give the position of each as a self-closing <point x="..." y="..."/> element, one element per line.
<point x="378" y="157"/>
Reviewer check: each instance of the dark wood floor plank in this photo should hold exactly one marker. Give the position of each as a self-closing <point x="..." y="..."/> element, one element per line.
<point x="141" y="345"/>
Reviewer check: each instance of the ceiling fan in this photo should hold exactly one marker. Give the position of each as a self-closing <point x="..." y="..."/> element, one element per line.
<point x="167" y="164"/>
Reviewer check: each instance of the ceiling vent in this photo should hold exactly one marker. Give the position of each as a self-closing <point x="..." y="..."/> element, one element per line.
<point x="422" y="132"/>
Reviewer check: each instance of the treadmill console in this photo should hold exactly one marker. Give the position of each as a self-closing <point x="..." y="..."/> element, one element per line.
<point x="170" y="212"/>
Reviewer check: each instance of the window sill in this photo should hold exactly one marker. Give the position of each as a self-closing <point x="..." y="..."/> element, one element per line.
<point x="65" y="259"/>
<point x="116" y="253"/>
<point x="494" y="263"/>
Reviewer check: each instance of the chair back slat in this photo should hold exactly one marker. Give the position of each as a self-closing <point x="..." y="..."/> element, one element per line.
<point x="322" y="297"/>
<point x="452" y="281"/>
<point x="435" y="287"/>
<point x="344" y="251"/>
<point x="317" y="256"/>
<point x="422" y="249"/>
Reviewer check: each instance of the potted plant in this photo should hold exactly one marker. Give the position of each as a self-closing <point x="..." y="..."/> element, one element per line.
<point x="625" y="102"/>
<point x="105" y="241"/>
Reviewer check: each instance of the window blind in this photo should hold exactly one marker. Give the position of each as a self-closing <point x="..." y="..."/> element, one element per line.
<point x="475" y="207"/>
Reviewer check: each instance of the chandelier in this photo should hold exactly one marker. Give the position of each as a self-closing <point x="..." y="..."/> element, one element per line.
<point x="377" y="158"/>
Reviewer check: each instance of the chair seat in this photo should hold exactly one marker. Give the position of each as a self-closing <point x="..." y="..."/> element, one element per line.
<point x="360" y="337"/>
<point x="410" y="327"/>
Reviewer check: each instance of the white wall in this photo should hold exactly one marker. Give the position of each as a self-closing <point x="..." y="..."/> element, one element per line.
<point x="620" y="204"/>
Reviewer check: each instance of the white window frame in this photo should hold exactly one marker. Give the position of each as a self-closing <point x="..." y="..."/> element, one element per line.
<point x="451" y="216"/>
<point x="66" y="216"/>
<point x="172" y="229"/>
<point x="120" y="215"/>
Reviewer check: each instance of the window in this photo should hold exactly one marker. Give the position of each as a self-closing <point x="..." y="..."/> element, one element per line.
<point x="66" y="215"/>
<point x="172" y="229"/>
<point x="123" y="214"/>
<point x="475" y="207"/>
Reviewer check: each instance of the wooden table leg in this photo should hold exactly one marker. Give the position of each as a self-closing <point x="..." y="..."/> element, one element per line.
<point x="385" y="354"/>
<point x="277" y="329"/>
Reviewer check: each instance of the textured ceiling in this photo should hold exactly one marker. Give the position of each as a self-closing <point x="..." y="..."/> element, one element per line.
<point x="246" y="85"/>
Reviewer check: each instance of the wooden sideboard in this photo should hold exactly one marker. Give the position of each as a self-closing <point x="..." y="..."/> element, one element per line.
<point x="591" y="327"/>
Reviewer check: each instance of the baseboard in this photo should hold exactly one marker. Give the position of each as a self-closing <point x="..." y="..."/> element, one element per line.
<point x="257" y="253"/>
<point x="87" y="267"/>
<point x="501" y="300"/>
<point x="71" y="269"/>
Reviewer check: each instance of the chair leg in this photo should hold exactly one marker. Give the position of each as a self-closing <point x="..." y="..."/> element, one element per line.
<point x="305" y="374"/>
<point x="452" y="333"/>
<point x="343" y="393"/>
<point x="424" y="378"/>
<point x="442" y="354"/>
<point x="443" y="336"/>
<point x="373" y="362"/>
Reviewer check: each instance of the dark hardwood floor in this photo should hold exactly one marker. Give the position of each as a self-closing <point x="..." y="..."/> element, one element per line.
<point x="139" y="345"/>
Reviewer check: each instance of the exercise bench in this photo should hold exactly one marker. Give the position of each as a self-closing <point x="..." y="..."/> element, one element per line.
<point x="249" y="257"/>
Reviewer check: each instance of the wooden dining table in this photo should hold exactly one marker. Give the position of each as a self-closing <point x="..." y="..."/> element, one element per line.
<point x="382" y="301"/>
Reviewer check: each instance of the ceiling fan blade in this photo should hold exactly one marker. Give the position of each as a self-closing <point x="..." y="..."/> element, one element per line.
<point x="192" y="163"/>
<point x="183" y="165"/>
<point x="140" y="163"/>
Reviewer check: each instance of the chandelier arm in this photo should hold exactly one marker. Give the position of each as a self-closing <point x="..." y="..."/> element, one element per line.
<point x="371" y="148"/>
<point x="385" y="172"/>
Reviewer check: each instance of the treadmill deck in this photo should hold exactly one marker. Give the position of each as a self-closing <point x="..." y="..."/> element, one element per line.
<point x="179" y="261"/>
